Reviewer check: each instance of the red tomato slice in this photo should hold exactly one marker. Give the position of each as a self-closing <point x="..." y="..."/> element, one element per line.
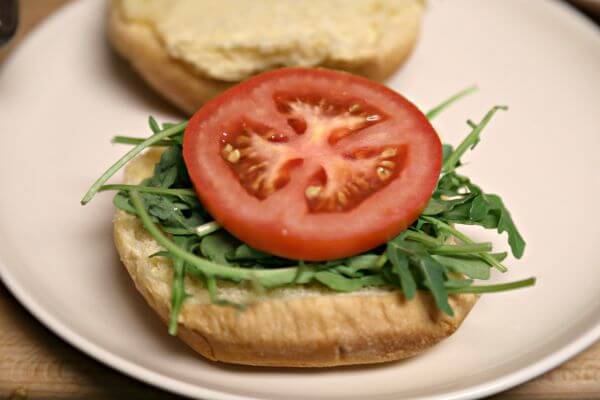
<point x="312" y="164"/>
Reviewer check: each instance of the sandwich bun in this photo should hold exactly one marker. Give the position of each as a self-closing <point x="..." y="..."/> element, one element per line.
<point x="299" y="326"/>
<point x="191" y="50"/>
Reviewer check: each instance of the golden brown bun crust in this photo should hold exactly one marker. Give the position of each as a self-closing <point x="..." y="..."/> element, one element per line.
<point x="184" y="87"/>
<point x="173" y="79"/>
<point x="297" y="327"/>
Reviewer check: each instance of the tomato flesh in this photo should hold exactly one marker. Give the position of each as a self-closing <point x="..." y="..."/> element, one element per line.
<point x="312" y="164"/>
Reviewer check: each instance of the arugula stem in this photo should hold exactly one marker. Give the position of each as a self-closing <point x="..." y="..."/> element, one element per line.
<point x="130" y="155"/>
<point x="462" y="248"/>
<point x="470" y="141"/>
<point x="493" y="288"/>
<point x="153" y="124"/>
<point x="201" y="267"/>
<point x="204" y="266"/>
<point x="178" y="295"/>
<point x="458" y="234"/>
<point x="381" y="260"/>
<point x="207" y="228"/>
<point x="431" y="114"/>
<point x="422" y="237"/>
<point x="175" y="231"/>
<point x="213" y="292"/>
<point x="135" y="140"/>
<point x="438" y="248"/>
<point x="148" y="189"/>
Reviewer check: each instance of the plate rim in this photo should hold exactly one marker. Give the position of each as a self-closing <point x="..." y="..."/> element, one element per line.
<point x="158" y="380"/>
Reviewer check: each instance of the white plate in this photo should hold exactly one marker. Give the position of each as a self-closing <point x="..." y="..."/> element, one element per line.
<point x="63" y="95"/>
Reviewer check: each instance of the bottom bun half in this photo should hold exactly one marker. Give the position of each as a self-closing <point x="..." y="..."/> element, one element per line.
<point x="300" y="326"/>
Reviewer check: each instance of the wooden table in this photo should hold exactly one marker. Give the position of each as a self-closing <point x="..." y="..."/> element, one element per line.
<point x="36" y="364"/>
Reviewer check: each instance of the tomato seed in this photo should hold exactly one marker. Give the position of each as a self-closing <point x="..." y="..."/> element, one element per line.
<point x="313" y="191"/>
<point x="383" y="173"/>
<point x="354" y="108"/>
<point x="387" y="164"/>
<point x="234" y="156"/>
<point x="389" y="152"/>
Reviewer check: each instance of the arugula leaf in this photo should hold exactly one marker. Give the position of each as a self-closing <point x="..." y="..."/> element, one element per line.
<point x="167" y="125"/>
<point x="400" y="267"/>
<point x="338" y="283"/>
<point x="121" y="201"/>
<point x="452" y="184"/>
<point x="466" y="203"/>
<point x="491" y="212"/>
<point x="447" y="150"/>
<point x="486" y="210"/>
<point x="471" y="267"/>
<point x="355" y="267"/>
<point x="437" y="206"/>
<point x="499" y="256"/>
<point x="246" y="254"/>
<point x="434" y="280"/>
<point x="444" y="226"/>
<point x="178" y="293"/>
<point x="154" y="127"/>
<point x="217" y="247"/>
<point x="363" y="261"/>
<point x="432" y="271"/>
<point x="170" y="170"/>
<point x="348" y="271"/>
<point x="170" y="212"/>
<point x="166" y="196"/>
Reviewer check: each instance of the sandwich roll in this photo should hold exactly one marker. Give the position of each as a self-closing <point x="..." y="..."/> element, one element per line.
<point x="299" y="326"/>
<point x="191" y="50"/>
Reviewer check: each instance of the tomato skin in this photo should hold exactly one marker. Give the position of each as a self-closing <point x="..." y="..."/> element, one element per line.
<point x="279" y="224"/>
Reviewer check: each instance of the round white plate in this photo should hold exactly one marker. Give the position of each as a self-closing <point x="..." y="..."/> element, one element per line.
<point x="63" y="95"/>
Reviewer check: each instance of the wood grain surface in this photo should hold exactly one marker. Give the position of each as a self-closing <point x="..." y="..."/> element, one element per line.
<point x="36" y="364"/>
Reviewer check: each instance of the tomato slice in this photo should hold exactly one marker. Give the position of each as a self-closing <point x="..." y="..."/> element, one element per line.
<point x="312" y="164"/>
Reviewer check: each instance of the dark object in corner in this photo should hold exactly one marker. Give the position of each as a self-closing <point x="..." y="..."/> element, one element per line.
<point x="9" y="19"/>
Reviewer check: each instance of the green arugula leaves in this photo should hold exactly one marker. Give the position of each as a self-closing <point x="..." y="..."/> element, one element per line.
<point x="404" y="254"/>
<point x="451" y="162"/>
<point x="432" y="255"/>
<point x="457" y="200"/>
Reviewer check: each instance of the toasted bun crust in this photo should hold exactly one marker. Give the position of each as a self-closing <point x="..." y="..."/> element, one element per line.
<point x="186" y="88"/>
<point x="291" y="327"/>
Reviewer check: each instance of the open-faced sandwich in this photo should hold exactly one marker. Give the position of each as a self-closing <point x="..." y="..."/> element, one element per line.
<point x="306" y="218"/>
